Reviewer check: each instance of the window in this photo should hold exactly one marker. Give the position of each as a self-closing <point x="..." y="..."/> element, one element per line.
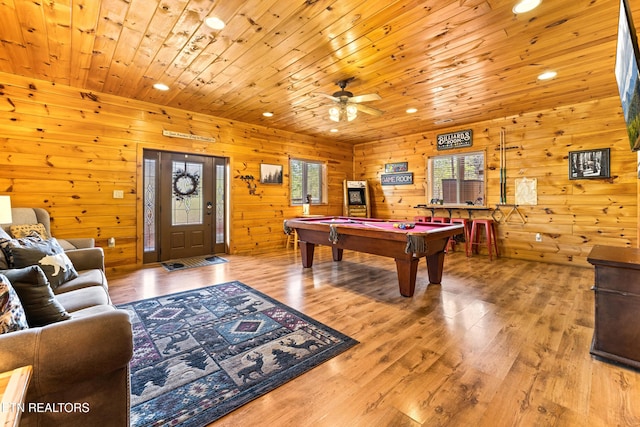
<point x="456" y="179"/>
<point x="307" y="178"/>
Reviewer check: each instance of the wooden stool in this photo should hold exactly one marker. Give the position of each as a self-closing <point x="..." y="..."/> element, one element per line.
<point x="421" y="218"/>
<point x="293" y="236"/>
<point x="490" y="233"/>
<point x="466" y="232"/>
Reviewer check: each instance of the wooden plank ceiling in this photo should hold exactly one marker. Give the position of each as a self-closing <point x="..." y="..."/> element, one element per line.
<point x="460" y="61"/>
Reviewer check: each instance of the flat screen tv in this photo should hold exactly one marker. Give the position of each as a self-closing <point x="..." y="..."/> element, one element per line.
<point x="627" y="74"/>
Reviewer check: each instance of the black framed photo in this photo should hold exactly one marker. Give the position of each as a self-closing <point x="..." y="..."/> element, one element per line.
<point x="270" y="174"/>
<point x="589" y="164"/>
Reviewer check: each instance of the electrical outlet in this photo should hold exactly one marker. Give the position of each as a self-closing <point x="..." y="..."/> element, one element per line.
<point x="538" y="237"/>
<point x="118" y="194"/>
<point x="111" y="242"/>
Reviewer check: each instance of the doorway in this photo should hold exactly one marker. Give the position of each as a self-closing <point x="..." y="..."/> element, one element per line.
<point x="185" y="201"/>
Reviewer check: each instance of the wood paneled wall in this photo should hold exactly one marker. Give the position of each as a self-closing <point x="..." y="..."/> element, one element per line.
<point x="66" y="151"/>
<point x="571" y="215"/>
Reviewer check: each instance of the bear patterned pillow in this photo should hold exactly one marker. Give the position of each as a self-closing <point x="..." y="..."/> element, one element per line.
<point x="48" y="254"/>
<point x="12" y="316"/>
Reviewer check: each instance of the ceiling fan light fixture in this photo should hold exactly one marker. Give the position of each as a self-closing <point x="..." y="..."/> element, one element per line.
<point x="343" y="113"/>
<point x="525" y="6"/>
<point x="352" y="112"/>
<point x="334" y="114"/>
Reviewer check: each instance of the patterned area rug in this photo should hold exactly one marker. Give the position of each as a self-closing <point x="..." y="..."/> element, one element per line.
<point x="196" y="261"/>
<point x="200" y="354"/>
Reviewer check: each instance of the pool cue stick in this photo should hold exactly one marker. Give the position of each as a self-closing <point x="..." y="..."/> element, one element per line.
<point x="503" y="168"/>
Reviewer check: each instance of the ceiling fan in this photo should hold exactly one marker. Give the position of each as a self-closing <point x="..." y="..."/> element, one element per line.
<point x="349" y="105"/>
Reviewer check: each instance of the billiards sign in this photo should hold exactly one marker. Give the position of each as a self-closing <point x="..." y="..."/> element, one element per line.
<point x="459" y="139"/>
<point x="404" y="178"/>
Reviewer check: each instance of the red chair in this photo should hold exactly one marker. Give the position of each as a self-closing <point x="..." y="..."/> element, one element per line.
<point x="466" y="232"/>
<point x="490" y="236"/>
<point x="440" y="219"/>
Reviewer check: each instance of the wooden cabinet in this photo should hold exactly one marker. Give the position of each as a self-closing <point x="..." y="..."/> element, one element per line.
<point x="616" y="335"/>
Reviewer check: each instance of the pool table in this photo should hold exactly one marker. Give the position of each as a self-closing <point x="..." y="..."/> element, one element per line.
<point x="378" y="237"/>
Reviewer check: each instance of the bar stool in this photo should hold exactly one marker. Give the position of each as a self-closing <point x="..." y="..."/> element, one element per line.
<point x="292" y="238"/>
<point x="440" y="219"/>
<point x="421" y="218"/>
<point x="466" y="232"/>
<point x="490" y="233"/>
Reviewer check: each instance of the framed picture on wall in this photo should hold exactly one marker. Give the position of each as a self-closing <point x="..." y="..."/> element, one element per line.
<point x="270" y="174"/>
<point x="589" y="164"/>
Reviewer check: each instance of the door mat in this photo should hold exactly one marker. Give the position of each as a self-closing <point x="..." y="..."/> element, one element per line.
<point x="192" y="262"/>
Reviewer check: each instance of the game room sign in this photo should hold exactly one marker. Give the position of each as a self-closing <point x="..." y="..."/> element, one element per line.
<point x="403" y="178"/>
<point x="459" y="139"/>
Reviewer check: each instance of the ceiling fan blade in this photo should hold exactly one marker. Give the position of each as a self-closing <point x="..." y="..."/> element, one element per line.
<point x="369" y="110"/>
<point x="365" y="98"/>
<point x="324" y="95"/>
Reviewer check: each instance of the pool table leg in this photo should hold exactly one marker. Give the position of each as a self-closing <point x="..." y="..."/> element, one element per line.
<point x="407" y="270"/>
<point x="306" y="253"/>
<point x="337" y="253"/>
<point x="435" y="265"/>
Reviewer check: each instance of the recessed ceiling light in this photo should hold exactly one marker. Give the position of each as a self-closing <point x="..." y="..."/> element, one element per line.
<point x="267" y="114"/>
<point x="526" y="6"/>
<point x="411" y="110"/>
<point x="334" y="130"/>
<point x="547" y="75"/>
<point x="161" y="86"/>
<point x="214" y="23"/>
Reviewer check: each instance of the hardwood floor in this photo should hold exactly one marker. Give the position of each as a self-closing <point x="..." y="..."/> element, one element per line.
<point x="501" y="343"/>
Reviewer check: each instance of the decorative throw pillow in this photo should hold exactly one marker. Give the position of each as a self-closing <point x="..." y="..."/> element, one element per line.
<point x="24" y="230"/>
<point x="48" y="254"/>
<point x="12" y="316"/>
<point x="6" y="257"/>
<point x="40" y="304"/>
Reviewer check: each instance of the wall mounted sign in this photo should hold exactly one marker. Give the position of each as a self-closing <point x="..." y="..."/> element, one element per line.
<point x="396" y="167"/>
<point x="172" y="134"/>
<point x="459" y="139"/>
<point x="403" y="178"/>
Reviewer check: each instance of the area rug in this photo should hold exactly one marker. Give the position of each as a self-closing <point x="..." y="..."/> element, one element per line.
<point x="200" y="354"/>
<point x="192" y="262"/>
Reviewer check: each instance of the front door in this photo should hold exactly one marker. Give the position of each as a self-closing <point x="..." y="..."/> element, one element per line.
<point x="190" y="206"/>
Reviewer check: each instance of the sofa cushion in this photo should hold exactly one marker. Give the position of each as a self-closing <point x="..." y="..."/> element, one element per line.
<point x="39" y="303"/>
<point x="24" y="230"/>
<point x="80" y="299"/>
<point x="12" y="315"/>
<point x="85" y="279"/>
<point x="48" y="254"/>
<point x="93" y="311"/>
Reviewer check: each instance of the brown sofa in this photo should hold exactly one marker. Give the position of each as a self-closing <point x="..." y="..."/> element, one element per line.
<point x="80" y="365"/>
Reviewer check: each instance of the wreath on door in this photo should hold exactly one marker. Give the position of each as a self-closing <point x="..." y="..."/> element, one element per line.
<point x="185" y="184"/>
